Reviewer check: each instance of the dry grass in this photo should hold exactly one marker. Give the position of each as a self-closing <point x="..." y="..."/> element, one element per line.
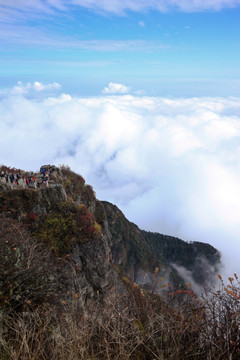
<point x="134" y="327"/>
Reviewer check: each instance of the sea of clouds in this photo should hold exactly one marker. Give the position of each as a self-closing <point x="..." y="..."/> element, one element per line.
<point x="171" y="164"/>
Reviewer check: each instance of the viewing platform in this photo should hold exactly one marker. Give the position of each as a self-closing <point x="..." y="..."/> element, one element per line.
<point x="17" y="180"/>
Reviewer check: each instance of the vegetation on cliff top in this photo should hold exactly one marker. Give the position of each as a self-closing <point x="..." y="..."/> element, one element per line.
<point x="58" y="224"/>
<point x="65" y="225"/>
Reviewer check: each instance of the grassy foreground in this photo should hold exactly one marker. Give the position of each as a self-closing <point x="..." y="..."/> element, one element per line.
<point x="138" y="326"/>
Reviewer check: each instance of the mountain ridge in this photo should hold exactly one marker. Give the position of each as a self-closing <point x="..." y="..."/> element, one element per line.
<point x="96" y="240"/>
<point x="136" y="251"/>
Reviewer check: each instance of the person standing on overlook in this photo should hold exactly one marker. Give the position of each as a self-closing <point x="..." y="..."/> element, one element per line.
<point x="12" y="178"/>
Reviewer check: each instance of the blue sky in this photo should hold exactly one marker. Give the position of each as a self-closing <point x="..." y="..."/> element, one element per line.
<point x="168" y="50"/>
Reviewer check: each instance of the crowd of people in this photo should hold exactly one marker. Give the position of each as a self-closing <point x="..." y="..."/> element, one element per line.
<point x="33" y="180"/>
<point x="16" y="178"/>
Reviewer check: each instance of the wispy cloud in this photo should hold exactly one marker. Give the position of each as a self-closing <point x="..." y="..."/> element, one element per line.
<point x="25" y="35"/>
<point x="141" y="23"/>
<point x="13" y="11"/>
<point x="21" y="7"/>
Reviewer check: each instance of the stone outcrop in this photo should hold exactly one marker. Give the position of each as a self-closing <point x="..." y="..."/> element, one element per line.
<point x="84" y="265"/>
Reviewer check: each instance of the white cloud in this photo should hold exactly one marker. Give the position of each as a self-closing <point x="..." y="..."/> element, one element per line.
<point x="41" y="87"/>
<point x="114" y="88"/>
<point x="21" y="7"/>
<point x="63" y="98"/>
<point x="120" y="6"/>
<point x="141" y="23"/>
<point x="172" y="165"/>
<point x="23" y="89"/>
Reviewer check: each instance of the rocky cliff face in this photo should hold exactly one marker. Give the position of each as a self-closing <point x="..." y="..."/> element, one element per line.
<point x="69" y="222"/>
<point x="86" y="241"/>
<point x="147" y="257"/>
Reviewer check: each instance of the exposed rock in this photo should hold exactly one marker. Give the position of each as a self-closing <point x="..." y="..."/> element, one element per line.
<point x="53" y="194"/>
<point x="81" y="255"/>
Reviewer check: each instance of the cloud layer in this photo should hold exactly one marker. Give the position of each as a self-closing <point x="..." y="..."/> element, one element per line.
<point x="113" y="6"/>
<point x="172" y="165"/>
<point x="119" y="6"/>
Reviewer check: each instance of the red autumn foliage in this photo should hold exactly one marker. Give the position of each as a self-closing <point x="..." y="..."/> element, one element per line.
<point x="33" y="216"/>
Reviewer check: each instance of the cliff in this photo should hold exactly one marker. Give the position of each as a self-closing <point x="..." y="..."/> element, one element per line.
<point x="87" y="247"/>
<point x="66" y="219"/>
<point x="147" y="257"/>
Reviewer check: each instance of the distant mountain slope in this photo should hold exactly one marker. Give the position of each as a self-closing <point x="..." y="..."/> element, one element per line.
<point x="139" y="253"/>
